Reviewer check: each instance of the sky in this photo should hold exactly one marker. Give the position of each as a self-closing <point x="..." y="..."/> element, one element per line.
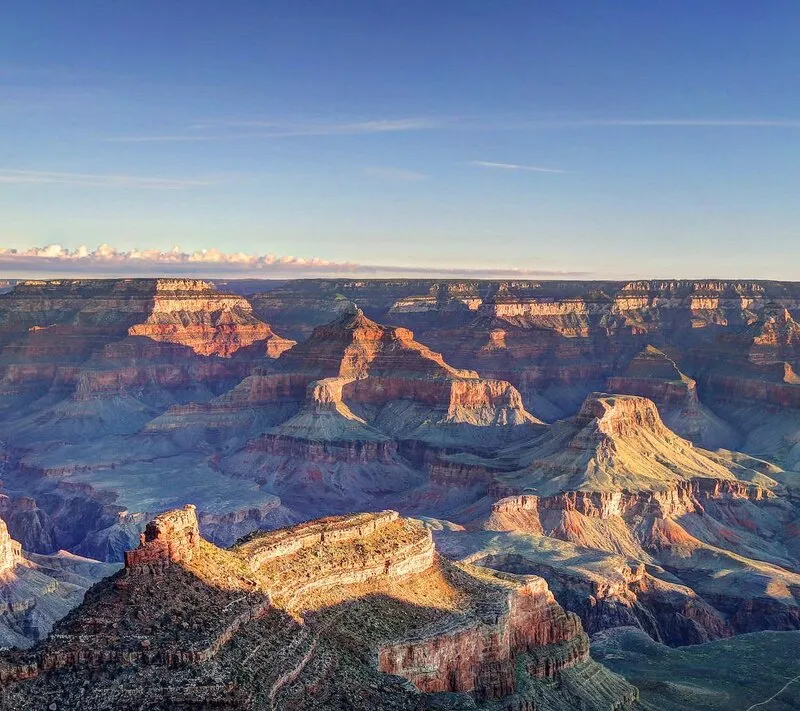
<point x="572" y="139"/>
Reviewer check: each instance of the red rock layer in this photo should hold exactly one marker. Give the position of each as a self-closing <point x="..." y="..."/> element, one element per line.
<point x="210" y="323"/>
<point x="679" y="498"/>
<point x="480" y="658"/>
<point x="172" y="537"/>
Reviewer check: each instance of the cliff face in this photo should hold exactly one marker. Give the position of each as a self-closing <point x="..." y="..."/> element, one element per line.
<point x="173" y="537"/>
<point x="10" y="550"/>
<point x="193" y="314"/>
<point x="322" y="610"/>
<point x="480" y="658"/>
<point x="36" y="590"/>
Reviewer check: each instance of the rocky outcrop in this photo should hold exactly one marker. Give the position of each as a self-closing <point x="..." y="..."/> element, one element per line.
<point x="653" y="375"/>
<point x="776" y="337"/>
<point x="192" y="313"/>
<point x="489" y="634"/>
<point x="327" y="555"/>
<point x="10" y="550"/>
<point x="172" y="537"/>
<point x="38" y="590"/>
<point x="479" y="656"/>
<point x="615" y="443"/>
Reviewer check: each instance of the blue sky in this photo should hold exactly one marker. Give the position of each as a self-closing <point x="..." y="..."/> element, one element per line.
<point x="608" y="139"/>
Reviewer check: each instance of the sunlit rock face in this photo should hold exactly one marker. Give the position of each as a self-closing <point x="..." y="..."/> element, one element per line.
<point x="615" y="479"/>
<point x="662" y="494"/>
<point x="192" y="313"/>
<point x="340" y="606"/>
<point x="10" y="550"/>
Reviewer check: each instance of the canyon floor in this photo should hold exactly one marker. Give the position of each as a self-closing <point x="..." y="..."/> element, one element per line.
<point x="402" y="494"/>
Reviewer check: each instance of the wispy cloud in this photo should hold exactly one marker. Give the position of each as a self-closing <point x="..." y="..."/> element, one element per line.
<point x="55" y="260"/>
<point x="514" y="166"/>
<point x="226" y="130"/>
<point x="265" y="129"/>
<point x="525" y="124"/>
<point x="688" y="122"/>
<point x="400" y="174"/>
<point x="23" y="177"/>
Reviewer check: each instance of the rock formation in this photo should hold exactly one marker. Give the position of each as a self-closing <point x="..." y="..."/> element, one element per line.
<point x="615" y="479"/>
<point x="652" y="374"/>
<point x="36" y="590"/>
<point x="327" y="614"/>
<point x="664" y="495"/>
<point x="194" y="314"/>
<point x="10" y="551"/>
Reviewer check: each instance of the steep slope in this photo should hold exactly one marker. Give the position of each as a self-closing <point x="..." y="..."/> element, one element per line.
<point x="36" y="591"/>
<point x="616" y="479"/>
<point x="652" y="374"/>
<point x="615" y="442"/>
<point x="322" y="425"/>
<point x="607" y="590"/>
<point x="326" y="615"/>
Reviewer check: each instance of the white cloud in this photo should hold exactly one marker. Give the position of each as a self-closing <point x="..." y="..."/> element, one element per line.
<point x="514" y="166"/>
<point x="37" y="177"/>
<point x="56" y="260"/>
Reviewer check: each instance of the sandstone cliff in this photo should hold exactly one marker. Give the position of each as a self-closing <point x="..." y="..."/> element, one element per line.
<point x="308" y="617"/>
<point x="36" y="591"/>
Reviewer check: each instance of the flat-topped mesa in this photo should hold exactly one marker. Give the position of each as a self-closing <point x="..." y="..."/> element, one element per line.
<point x="621" y="415"/>
<point x="10" y="551"/>
<point x="261" y="547"/>
<point x="172" y="537"/>
<point x="194" y="314"/>
<point x="337" y="551"/>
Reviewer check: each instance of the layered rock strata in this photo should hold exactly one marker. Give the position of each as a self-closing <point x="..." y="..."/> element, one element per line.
<point x="223" y="614"/>
<point x="479" y="656"/>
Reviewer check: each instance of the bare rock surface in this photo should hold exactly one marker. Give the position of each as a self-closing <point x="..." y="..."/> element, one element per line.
<point x="356" y="612"/>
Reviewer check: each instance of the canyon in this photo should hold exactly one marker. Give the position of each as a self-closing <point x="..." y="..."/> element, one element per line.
<point x="432" y="492"/>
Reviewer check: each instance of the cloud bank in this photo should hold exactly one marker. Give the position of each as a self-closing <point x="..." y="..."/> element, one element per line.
<point x="105" y="261"/>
